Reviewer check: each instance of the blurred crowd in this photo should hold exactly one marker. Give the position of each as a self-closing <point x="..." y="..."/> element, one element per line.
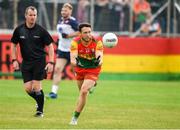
<point x="109" y="15"/>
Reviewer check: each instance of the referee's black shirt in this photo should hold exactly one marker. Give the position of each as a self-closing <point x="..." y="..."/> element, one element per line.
<point x="32" y="41"/>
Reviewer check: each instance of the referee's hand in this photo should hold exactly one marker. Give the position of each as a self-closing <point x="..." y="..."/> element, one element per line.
<point x="49" y="67"/>
<point x="15" y="65"/>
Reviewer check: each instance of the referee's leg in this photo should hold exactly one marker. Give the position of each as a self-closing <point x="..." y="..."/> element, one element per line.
<point x="38" y="76"/>
<point x="37" y="87"/>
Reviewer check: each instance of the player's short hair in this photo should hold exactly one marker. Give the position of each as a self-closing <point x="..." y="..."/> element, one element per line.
<point x="30" y="7"/>
<point x="81" y="25"/>
<point x="68" y="5"/>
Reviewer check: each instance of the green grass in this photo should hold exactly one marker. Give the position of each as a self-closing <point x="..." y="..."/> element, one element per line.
<point x="114" y="104"/>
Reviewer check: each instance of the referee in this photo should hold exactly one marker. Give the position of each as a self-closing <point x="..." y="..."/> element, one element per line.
<point x="32" y="39"/>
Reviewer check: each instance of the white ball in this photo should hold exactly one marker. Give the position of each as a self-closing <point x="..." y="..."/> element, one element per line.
<point x="110" y="40"/>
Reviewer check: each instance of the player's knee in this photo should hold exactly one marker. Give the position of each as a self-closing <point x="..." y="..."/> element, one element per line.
<point x="58" y="70"/>
<point x="84" y="91"/>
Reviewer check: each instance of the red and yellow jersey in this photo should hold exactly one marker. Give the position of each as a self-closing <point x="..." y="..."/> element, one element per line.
<point x="86" y="53"/>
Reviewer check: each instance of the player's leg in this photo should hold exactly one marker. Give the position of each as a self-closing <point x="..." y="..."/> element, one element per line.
<point x="93" y="77"/>
<point x="80" y="80"/>
<point x="63" y="58"/>
<point x="79" y="83"/>
<point x="86" y="85"/>
<point x="57" y="76"/>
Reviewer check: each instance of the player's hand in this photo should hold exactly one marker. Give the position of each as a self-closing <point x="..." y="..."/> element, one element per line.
<point x="49" y="67"/>
<point x="64" y="35"/>
<point x="15" y="64"/>
<point x="78" y="63"/>
<point x="96" y="61"/>
<point x="57" y="42"/>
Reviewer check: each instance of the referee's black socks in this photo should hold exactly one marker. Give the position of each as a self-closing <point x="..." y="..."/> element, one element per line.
<point x="40" y="100"/>
<point x="32" y="94"/>
<point x="39" y="97"/>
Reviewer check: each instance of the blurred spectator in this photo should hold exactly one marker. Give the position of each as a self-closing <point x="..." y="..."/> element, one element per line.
<point x="141" y="10"/>
<point x="155" y="6"/>
<point x="102" y="14"/>
<point x="5" y="13"/>
<point x="178" y="23"/>
<point x="151" y="28"/>
<point x="109" y="15"/>
<point x="106" y="18"/>
<point x="122" y="7"/>
<point x="83" y="13"/>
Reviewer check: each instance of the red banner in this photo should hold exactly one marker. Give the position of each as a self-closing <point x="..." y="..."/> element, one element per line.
<point x="145" y="46"/>
<point x="5" y="59"/>
<point x="141" y="46"/>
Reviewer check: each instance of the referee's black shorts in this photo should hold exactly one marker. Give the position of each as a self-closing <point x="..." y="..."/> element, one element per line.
<point x="33" y="70"/>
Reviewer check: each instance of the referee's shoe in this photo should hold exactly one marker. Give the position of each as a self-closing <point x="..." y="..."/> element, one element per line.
<point x="39" y="114"/>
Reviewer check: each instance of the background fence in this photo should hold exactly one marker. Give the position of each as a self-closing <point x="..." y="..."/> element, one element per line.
<point x="105" y="15"/>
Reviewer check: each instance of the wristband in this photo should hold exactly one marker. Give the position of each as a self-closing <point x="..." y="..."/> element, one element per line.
<point x="52" y="63"/>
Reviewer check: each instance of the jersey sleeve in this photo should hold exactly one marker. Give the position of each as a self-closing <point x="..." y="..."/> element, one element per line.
<point x="74" y="24"/>
<point x="47" y="38"/>
<point x="74" y="46"/>
<point x="99" y="46"/>
<point x="15" y="36"/>
<point x="58" y="27"/>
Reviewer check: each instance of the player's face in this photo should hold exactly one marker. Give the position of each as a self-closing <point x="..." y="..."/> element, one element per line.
<point x="65" y="12"/>
<point x="86" y="34"/>
<point x="31" y="16"/>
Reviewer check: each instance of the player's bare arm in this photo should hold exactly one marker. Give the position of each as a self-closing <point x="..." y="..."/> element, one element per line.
<point x="74" y="34"/>
<point x="99" y="52"/>
<point x="74" y="53"/>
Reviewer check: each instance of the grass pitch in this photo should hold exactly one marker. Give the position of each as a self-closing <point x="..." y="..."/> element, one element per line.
<point x="113" y="105"/>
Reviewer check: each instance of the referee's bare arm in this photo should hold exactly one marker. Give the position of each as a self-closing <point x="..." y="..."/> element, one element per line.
<point x="49" y="66"/>
<point x="14" y="51"/>
<point x="51" y="52"/>
<point x="14" y="56"/>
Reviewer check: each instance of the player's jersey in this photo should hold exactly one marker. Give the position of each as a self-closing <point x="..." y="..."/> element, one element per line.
<point x="86" y="53"/>
<point x="66" y="26"/>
